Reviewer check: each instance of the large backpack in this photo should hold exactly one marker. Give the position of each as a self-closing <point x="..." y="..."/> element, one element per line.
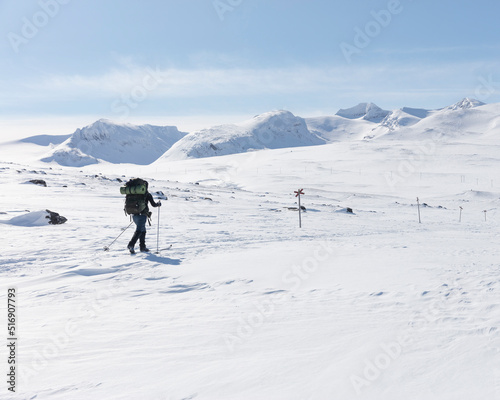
<point x="135" y="191"/>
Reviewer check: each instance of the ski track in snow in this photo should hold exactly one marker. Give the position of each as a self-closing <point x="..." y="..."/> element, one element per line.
<point x="245" y="305"/>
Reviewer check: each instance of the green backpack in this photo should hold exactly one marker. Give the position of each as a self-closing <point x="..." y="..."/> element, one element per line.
<point x="135" y="191"/>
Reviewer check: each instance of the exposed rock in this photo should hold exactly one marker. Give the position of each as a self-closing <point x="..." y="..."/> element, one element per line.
<point x="55" y="218"/>
<point x="296" y="208"/>
<point x="40" y="182"/>
<point x="161" y="195"/>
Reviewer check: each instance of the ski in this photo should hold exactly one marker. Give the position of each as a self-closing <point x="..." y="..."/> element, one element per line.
<point x="106" y="248"/>
<point x="166" y="248"/>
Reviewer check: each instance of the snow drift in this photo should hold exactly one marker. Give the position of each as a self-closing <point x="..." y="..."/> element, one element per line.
<point x="114" y="143"/>
<point x="272" y="130"/>
<point x="37" y="218"/>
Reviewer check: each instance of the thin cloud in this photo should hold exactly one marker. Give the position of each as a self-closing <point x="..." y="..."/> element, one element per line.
<point x="205" y="90"/>
<point x="433" y="50"/>
<point x="171" y="83"/>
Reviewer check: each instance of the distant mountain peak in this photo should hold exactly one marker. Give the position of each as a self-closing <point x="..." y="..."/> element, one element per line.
<point x="103" y="121"/>
<point x="367" y="111"/>
<point x="270" y="130"/>
<point x="465" y="104"/>
<point x="114" y="143"/>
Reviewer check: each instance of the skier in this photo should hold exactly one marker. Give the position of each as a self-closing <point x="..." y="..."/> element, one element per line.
<point x="140" y="223"/>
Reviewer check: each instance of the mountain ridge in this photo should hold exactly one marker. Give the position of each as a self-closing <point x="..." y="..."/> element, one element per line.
<point x="107" y="141"/>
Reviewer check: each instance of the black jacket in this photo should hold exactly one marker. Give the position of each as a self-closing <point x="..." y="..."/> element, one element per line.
<point x="149" y="199"/>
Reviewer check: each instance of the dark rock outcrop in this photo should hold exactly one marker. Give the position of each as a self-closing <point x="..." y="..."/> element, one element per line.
<point x="55" y="219"/>
<point x="40" y="182"/>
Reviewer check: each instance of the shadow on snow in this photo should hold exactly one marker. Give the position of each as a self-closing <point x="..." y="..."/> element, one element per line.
<point x="163" y="260"/>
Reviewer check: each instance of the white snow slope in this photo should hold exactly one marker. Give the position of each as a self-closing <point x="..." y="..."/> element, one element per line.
<point x="272" y="130"/>
<point x="126" y="143"/>
<point x="366" y="121"/>
<point x="114" y="143"/>
<point x="245" y="305"/>
<point x="367" y="111"/>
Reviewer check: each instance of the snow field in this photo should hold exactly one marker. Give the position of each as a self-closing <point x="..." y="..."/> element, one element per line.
<point x="245" y="305"/>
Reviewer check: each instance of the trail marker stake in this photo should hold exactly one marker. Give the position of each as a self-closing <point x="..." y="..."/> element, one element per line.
<point x="297" y="194"/>
<point x="460" y="217"/>
<point x="485" y="211"/>
<point x="418" y="205"/>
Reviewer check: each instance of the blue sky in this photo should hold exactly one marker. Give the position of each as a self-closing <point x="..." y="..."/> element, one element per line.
<point x="212" y="61"/>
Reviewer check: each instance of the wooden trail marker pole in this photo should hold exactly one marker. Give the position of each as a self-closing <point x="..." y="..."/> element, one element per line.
<point x="485" y="211"/>
<point x="460" y="217"/>
<point x="297" y="194"/>
<point x="418" y="205"/>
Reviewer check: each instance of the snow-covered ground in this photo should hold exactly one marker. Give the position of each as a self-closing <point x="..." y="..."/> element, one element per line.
<point x="245" y="305"/>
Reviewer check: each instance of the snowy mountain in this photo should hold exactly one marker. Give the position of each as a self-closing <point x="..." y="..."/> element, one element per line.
<point x="402" y="118"/>
<point x="416" y="112"/>
<point x="46" y="140"/>
<point x="335" y="128"/>
<point x="367" y="111"/>
<point x="355" y="123"/>
<point x="115" y="143"/>
<point x="126" y="143"/>
<point x="467" y="120"/>
<point x="272" y="130"/>
<point x="464" y="104"/>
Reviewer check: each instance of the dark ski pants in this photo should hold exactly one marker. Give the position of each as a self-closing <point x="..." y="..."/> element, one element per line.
<point x="140" y="231"/>
<point x="140" y="222"/>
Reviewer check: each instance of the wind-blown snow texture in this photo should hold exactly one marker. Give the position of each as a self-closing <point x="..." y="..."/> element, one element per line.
<point x="369" y="305"/>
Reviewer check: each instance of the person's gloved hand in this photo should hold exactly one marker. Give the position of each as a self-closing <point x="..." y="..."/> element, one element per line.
<point x="159" y="203"/>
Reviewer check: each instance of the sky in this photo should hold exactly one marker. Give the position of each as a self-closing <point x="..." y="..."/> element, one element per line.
<point x="196" y="63"/>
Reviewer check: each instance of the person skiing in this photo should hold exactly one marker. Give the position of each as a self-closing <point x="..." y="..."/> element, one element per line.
<point x="140" y="219"/>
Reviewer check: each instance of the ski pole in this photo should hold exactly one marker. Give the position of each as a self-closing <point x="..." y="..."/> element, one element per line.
<point x="158" y="233"/>
<point x="106" y="248"/>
